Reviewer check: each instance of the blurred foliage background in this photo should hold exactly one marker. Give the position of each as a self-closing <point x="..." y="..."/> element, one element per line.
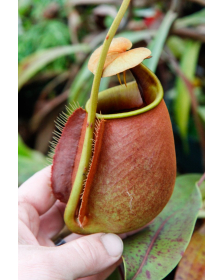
<point x="55" y="40"/>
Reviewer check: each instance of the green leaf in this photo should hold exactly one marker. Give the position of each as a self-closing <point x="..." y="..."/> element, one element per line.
<point x="84" y="95"/>
<point x="23" y="150"/>
<point x="39" y="6"/>
<point x="201" y="213"/>
<point x="23" y="6"/>
<point x="156" y="250"/>
<point x="182" y="106"/>
<point x="28" y="167"/>
<point x="201" y="113"/>
<point x="83" y="76"/>
<point x="35" y="62"/>
<point x="176" y="45"/>
<point x="191" y="20"/>
<point x="42" y="36"/>
<point x="108" y="21"/>
<point x="29" y="161"/>
<point x="156" y="46"/>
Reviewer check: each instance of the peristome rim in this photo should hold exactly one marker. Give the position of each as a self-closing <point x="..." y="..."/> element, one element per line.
<point x="159" y="97"/>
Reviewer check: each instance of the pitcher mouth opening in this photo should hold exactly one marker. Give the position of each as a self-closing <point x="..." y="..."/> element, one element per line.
<point x="136" y="98"/>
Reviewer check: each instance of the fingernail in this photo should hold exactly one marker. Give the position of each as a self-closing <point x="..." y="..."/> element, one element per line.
<point x="113" y="244"/>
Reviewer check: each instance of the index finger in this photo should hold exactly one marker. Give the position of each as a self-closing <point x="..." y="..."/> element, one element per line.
<point x="37" y="191"/>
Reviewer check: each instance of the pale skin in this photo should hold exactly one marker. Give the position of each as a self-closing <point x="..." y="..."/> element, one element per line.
<point x="40" y="218"/>
<point x="92" y="257"/>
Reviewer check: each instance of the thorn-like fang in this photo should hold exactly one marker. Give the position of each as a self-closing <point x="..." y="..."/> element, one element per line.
<point x="119" y="78"/>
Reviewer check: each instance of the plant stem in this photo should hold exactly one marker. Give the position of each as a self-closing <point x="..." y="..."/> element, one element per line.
<point x="87" y="146"/>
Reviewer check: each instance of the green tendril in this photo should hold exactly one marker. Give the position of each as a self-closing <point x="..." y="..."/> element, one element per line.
<point x="87" y="146"/>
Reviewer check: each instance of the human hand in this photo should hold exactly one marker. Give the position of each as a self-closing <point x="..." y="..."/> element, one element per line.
<point x="41" y="218"/>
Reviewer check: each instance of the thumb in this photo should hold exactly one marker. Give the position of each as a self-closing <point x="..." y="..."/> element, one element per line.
<point x="86" y="256"/>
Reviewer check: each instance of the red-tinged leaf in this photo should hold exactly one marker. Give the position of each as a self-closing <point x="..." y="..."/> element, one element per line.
<point x="155" y="251"/>
<point x="192" y="265"/>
